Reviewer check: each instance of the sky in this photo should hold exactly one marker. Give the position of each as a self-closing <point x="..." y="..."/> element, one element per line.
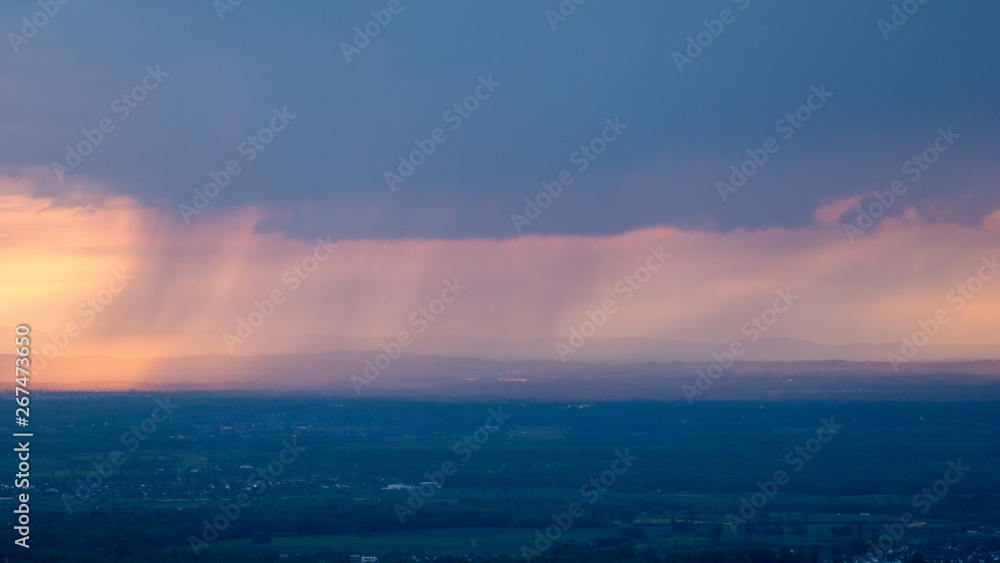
<point x="177" y="163"/>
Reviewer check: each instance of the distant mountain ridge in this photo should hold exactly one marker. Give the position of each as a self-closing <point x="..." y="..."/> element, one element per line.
<point x="619" y="368"/>
<point x="771" y="349"/>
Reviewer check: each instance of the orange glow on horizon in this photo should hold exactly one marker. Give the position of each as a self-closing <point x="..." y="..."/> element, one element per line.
<point x="190" y="284"/>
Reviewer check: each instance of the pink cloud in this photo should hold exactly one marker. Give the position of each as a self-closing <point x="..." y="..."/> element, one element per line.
<point x="193" y="282"/>
<point x="830" y="212"/>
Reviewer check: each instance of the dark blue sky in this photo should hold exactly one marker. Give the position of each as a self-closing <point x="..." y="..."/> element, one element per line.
<point x="324" y="173"/>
